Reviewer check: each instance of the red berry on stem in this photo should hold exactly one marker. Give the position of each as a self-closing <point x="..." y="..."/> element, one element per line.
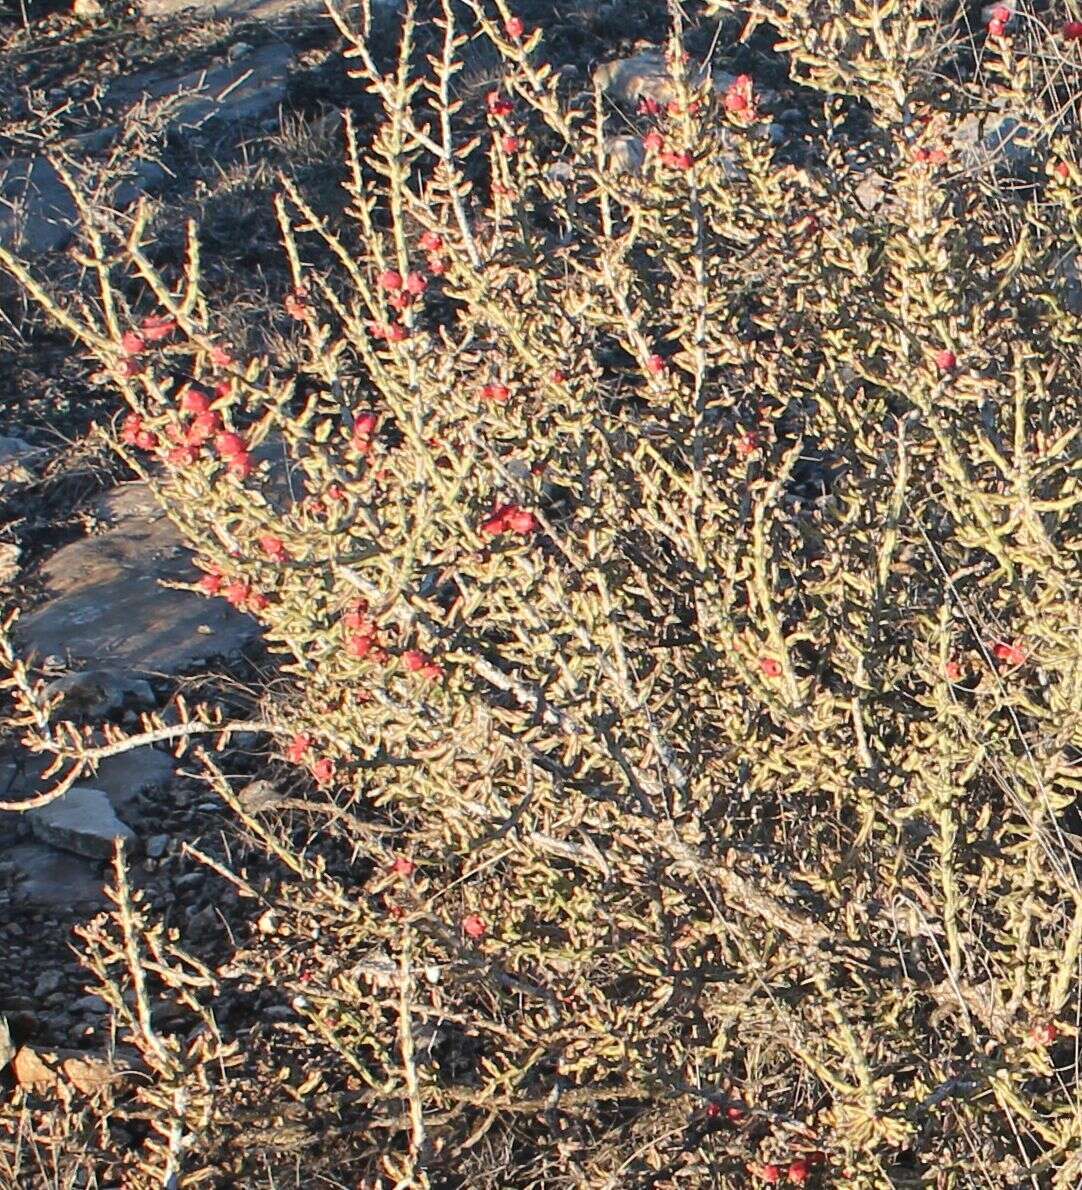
<point x="514" y="27"/>
<point x="653" y="142"/>
<point x="229" y="444"/>
<point x="431" y="242"/>
<point x="511" y="144"/>
<point x="500" y="394"/>
<point x="238" y="592"/>
<point x="946" y="360"/>
<point x="210" y="584"/>
<point x="298" y="746"/>
<point x="390" y="279"/>
<point x="1072" y="31"/>
<point x="241" y="465"/>
<point x="403" y="866"/>
<point x="194" y="400"/>
<point x="416" y="284"/>
<point x="1044" y="1033"/>
<point x="474" y="926"/>
<point x="182" y="456"/>
<point x="521" y="521"/>
<point x="770" y="667"/>
<point x="798" y="1171"/>
<point x="323" y="771"/>
<point x="1013" y="655"/>
<point x="132" y="343"/>
<point x="656" y="364"/>
<point x="156" y="327"/>
<point x="996" y="28"/>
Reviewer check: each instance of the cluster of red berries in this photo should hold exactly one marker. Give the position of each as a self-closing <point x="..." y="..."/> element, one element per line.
<point x="155" y="328"/>
<point x="654" y="142"/>
<point x="401" y="291"/>
<point x="510" y="518"/>
<point x="498" y="105"/>
<point x="422" y="664"/>
<point x="274" y="548"/>
<point x="1001" y="16"/>
<point x="187" y="440"/>
<point x="299" y="747"/>
<point x="433" y="244"/>
<point x="363" y="643"/>
<point x="238" y="592"/>
<point x="363" y="640"/>
<point x="748" y="444"/>
<point x="1012" y="655"/>
<point x="796" y="1173"/>
<point x="134" y="433"/>
<point x="930" y="156"/>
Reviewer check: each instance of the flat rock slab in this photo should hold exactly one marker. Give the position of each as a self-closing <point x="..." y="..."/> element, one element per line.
<point x="251" y="86"/>
<point x="51" y="877"/>
<point x="37" y="212"/>
<point x="82" y="821"/>
<point x="106" y="605"/>
<point x="232" y="9"/>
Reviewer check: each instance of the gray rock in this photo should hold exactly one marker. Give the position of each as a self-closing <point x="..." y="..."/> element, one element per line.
<point x="15" y="455"/>
<point x="234" y="9"/>
<point x="37" y="211"/>
<point x="7" y="1050"/>
<point x="123" y="778"/>
<point x="106" y="603"/>
<point x="241" y="90"/>
<point x="48" y="983"/>
<point x="999" y="141"/>
<point x="10" y="554"/>
<point x="157" y="845"/>
<point x="1069" y="275"/>
<point x="645" y="75"/>
<point x="83" y="821"/>
<point x="624" y="154"/>
<point x="91" y="1004"/>
<point x="145" y="177"/>
<point x="57" y="878"/>
<point x="95" y="693"/>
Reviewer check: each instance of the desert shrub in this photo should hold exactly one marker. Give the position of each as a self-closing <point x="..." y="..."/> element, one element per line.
<point x="676" y="578"/>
